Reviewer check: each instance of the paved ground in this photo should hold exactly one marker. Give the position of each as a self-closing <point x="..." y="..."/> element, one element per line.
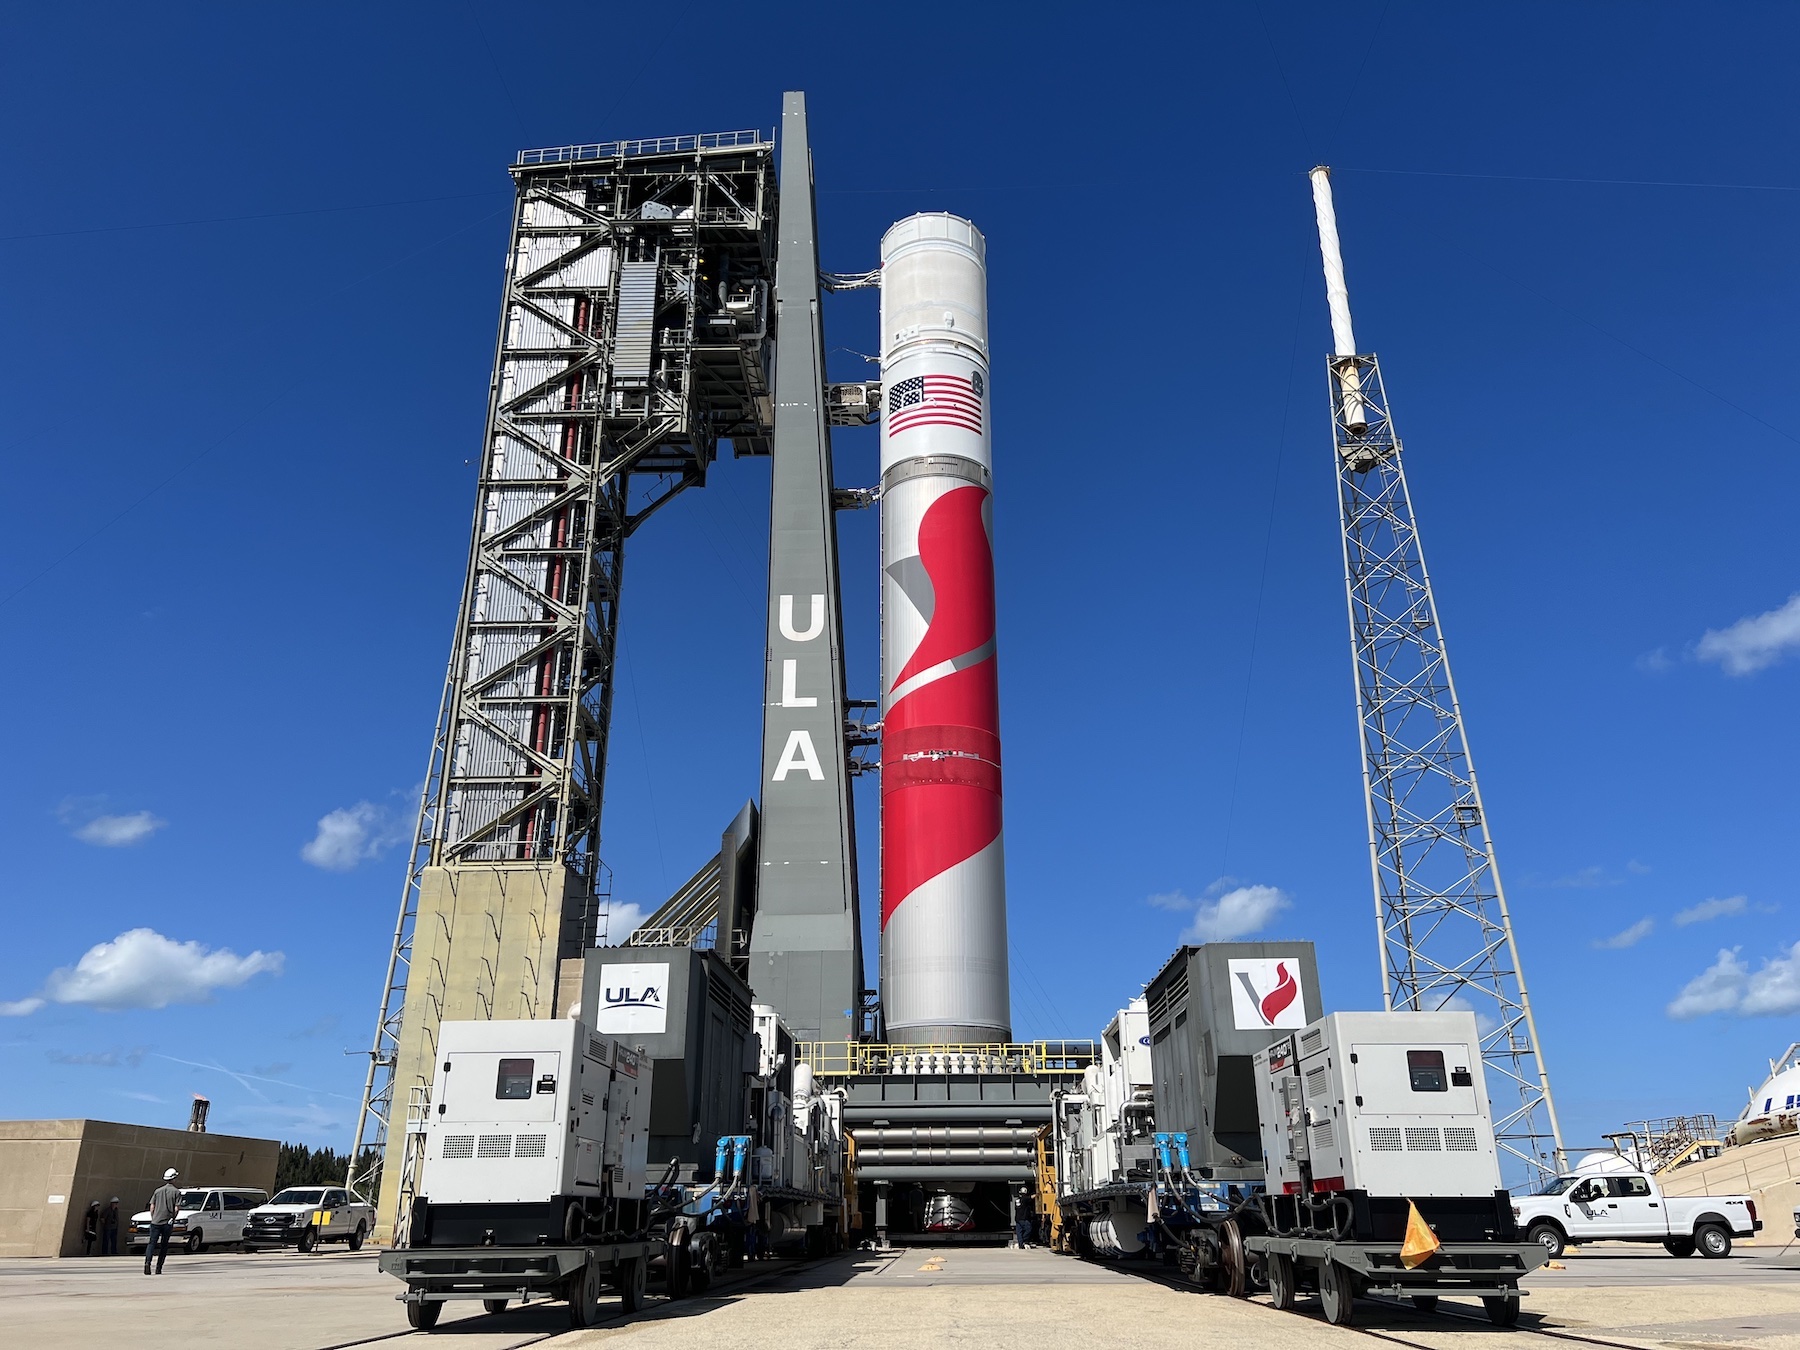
<point x="990" y="1299"/>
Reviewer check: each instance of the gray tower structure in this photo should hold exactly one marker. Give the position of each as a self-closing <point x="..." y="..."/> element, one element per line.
<point x="634" y="340"/>
<point x="1446" y="934"/>
<point x="806" y="946"/>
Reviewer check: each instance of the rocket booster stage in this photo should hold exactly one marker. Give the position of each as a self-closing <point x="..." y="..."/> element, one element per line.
<point x="943" y="884"/>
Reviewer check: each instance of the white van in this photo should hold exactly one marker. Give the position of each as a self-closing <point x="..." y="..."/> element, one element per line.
<point x="212" y="1214"/>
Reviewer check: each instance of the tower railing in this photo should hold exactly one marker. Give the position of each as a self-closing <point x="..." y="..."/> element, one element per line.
<point x="1037" y="1058"/>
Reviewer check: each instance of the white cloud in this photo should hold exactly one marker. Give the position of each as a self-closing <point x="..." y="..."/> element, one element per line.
<point x="120" y="831"/>
<point x="1774" y="991"/>
<point x="1712" y="909"/>
<point x="350" y="835"/>
<point x="143" y="969"/>
<point x="1754" y="642"/>
<point x="1222" y="915"/>
<point x="87" y="821"/>
<point x="1729" y="986"/>
<point x="619" y="922"/>
<point x="1629" y="937"/>
<point x="1718" y="988"/>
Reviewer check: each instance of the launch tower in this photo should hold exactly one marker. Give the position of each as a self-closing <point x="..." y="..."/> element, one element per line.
<point x="634" y="340"/>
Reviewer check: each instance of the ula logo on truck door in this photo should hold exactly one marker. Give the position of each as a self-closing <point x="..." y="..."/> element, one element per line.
<point x="1266" y="993"/>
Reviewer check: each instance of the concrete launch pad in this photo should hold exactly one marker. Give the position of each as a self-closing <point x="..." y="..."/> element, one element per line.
<point x="993" y="1297"/>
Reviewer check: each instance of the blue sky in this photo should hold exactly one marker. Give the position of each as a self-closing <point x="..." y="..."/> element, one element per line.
<point x="251" y="259"/>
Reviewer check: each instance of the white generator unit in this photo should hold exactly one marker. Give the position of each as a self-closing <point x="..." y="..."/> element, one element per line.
<point x="538" y="1133"/>
<point x="1385" y="1103"/>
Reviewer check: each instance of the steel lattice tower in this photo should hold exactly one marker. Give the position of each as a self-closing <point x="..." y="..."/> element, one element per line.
<point x="1446" y="936"/>
<point x="634" y="340"/>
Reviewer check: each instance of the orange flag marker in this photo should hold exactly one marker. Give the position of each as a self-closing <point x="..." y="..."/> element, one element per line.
<point x="1421" y="1243"/>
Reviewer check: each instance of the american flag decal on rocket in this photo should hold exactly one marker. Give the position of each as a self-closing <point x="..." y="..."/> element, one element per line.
<point x="935" y="401"/>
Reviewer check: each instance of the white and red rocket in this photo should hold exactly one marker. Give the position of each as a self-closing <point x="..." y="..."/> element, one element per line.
<point x="943" y="875"/>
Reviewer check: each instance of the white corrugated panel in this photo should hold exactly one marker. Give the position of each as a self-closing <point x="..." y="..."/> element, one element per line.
<point x="635" y="329"/>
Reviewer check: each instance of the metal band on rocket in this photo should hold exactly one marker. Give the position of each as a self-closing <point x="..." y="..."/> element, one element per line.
<point x="943" y="886"/>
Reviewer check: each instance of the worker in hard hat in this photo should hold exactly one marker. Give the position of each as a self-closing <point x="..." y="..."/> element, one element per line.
<point x="165" y="1204"/>
<point x="109" y="1228"/>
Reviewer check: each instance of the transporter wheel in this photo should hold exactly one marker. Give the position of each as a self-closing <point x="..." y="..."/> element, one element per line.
<point x="195" y="1241"/>
<point x="628" y="1275"/>
<point x="677" y="1266"/>
<point x="1679" y="1246"/>
<point x="1713" y="1241"/>
<point x="355" y="1241"/>
<point x="584" y="1296"/>
<point x="310" y="1239"/>
<point x="1337" y="1291"/>
<point x="701" y="1257"/>
<point x="1502" y="1309"/>
<point x="1283" y="1286"/>
<point x="1549" y="1237"/>
<point x="423" y="1315"/>
<point x="1234" y="1261"/>
<point x="494" y="1305"/>
<point x="1425" y="1303"/>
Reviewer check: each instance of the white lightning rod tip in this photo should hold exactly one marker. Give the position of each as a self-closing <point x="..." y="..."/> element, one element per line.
<point x="1337" y="292"/>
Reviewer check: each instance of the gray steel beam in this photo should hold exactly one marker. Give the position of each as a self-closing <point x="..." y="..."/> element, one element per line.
<point x="806" y="947"/>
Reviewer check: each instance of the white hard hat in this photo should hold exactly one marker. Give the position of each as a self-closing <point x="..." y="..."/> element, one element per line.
<point x="170" y="1175"/>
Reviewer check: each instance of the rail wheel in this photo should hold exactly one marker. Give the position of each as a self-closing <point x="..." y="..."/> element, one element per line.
<point x="677" y="1267"/>
<point x="1502" y="1309"/>
<point x="584" y="1296"/>
<point x="1337" y="1291"/>
<point x="1283" y="1284"/>
<point x="701" y="1258"/>
<point x="629" y="1276"/>
<point x="1234" y="1260"/>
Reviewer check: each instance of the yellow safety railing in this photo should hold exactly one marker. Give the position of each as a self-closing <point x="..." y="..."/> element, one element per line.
<point x="847" y="1058"/>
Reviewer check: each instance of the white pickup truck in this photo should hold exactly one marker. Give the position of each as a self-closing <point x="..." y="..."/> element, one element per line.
<point x="1631" y="1207"/>
<point x="305" y="1216"/>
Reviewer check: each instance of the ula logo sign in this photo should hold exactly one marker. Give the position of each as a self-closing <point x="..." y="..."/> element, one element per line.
<point x="1266" y="994"/>
<point x="633" y="998"/>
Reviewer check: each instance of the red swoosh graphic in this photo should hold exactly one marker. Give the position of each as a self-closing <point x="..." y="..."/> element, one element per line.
<point x="956" y="555"/>
<point x="1276" y="1001"/>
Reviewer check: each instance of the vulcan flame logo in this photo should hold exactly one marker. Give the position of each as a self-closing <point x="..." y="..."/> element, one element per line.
<point x="1271" y="1005"/>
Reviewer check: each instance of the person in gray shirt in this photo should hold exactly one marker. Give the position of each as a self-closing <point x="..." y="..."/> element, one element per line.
<point x="165" y="1204"/>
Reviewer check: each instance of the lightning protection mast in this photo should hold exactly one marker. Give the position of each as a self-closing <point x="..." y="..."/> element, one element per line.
<point x="1446" y="936"/>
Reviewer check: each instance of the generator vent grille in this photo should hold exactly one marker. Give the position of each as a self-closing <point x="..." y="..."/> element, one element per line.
<point x="459" y="1146"/>
<point x="529" y="1146"/>
<point x="1460" y="1139"/>
<point x="1318" y="1081"/>
<point x="494" y="1146"/>
<point x="1324" y="1137"/>
<point x="597" y="1050"/>
<point x="1311" y="1041"/>
<point x="1423" y="1139"/>
<point x="1384" y="1139"/>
